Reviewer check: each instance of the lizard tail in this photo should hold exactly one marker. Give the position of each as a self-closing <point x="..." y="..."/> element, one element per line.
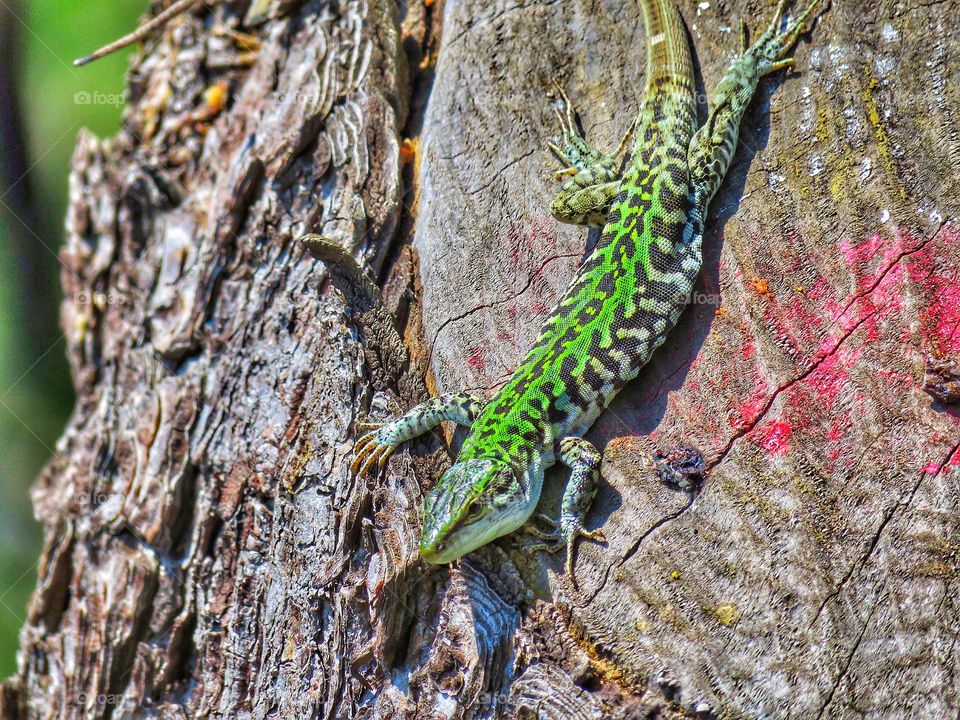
<point x="668" y="51"/>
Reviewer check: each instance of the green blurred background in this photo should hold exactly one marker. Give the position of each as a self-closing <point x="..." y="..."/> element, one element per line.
<point x="44" y="101"/>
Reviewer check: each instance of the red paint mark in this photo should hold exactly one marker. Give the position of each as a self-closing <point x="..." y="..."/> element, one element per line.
<point x="934" y="271"/>
<point x="750" y="411"/>
<point x="955" y="458"/>
<point x="748" y="349"/>
<point x="476" y="360"/>
<point x="931" y="469"/>
<point x="773" y="437"/>
<point x="836" y="430"/>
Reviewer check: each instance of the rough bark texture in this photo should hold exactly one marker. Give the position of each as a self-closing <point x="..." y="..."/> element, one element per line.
<point x="208" y="553"/>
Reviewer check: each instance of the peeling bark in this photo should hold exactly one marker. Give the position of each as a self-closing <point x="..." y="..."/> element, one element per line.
<point x="207" y="552"/>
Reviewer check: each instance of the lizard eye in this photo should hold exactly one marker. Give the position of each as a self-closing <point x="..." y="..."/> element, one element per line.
<point x="474" y="510"/>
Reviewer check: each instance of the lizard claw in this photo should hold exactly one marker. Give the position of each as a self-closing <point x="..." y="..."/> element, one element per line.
<point x="371" y="449"/>
<point x="559" y="538"/>
<point x="580" y="532"/>
<point x="567" y="121"/>
<point x="773" y="46"/>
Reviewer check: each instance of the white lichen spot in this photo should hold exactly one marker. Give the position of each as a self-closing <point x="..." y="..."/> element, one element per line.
<point x="701" y="7"/>
<point x="817" y="165"/>
<point x="807" y="114"/>
<point x="816" y="59"/>
<point x="776" y="181"/>
<point x="936" y="218"/>
<point x="884" y="66"/>
<point x="889" y="33"/>
<point x="838" y="59"/>
<point x="866" y="169"/>
<point x="884" y="217"/>
<point x="854" y="128"/>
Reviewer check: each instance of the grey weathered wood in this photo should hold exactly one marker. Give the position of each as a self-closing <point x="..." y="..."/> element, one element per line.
<point x="207" y="552"/>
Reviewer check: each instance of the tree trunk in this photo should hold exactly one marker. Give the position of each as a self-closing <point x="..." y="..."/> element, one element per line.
<point x="209" y="554"/>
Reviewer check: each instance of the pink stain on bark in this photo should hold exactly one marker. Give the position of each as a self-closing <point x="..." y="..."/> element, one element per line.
<point x="773" y="437"/>
<point x="748" y="412"/>
<point x="813" y="325"/>
<point x="933" y="269"/>
<point x="476" y="360"/>
<point x="955" y="458"/>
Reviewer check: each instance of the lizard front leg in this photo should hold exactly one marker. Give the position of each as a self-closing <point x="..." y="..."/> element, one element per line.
<point x="376" y="447"/>
<point x="583" y="459"/>
<point x="593" y="177"/>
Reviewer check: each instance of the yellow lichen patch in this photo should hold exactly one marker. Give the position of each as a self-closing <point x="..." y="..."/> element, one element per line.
<point x="669" y="615"/>
<point x="934" y="569"/>
<point x="605" y="668"/>
<point x="838" y="184"/>
<point x="747" y="498"/>
<point x="726" y="614"/>
<point x="800" y="486"/>
<point x="642" y="626"/>
<point x="675" y="575"/>
<point x="880" y="133"/>
<point x="302" y="457"/>
<point x="824" y="130"/>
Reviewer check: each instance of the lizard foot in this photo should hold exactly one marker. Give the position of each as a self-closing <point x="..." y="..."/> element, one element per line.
<point x="373" y="448"/>
<point x="773" y="47"/>
<point x="560" y="536"/>
<point x="590" y="178"/>
<point x="571" y="147"/>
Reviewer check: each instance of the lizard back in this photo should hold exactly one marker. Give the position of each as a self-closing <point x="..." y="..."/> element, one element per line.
<point x="629" y="292"/>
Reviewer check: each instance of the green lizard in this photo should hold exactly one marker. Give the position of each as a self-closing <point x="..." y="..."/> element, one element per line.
<point x="627" y="294"/>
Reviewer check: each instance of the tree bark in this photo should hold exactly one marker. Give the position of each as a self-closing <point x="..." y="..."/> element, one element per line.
<point x="209" y="554"/>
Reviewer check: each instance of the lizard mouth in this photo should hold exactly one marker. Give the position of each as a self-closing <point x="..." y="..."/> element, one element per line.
<point x="438" y="554"/>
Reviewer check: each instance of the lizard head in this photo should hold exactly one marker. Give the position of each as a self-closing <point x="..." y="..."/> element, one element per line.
<point x="474" y="502"/>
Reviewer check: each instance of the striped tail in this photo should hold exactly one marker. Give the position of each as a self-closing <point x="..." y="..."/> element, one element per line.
<point x="668" y="50"/>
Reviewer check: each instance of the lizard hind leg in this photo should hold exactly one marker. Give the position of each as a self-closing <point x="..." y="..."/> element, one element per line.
<point x="712" y="148"/>
<point x="592" y="177"/>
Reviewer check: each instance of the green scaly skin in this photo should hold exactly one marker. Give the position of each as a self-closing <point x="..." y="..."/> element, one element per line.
<point x="625" y="298"/>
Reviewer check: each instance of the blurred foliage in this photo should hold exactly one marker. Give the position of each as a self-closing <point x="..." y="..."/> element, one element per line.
<point x="55" y="100"/>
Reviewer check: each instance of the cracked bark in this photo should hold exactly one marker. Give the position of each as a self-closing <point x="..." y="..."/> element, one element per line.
<point x="207" y="553"/>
